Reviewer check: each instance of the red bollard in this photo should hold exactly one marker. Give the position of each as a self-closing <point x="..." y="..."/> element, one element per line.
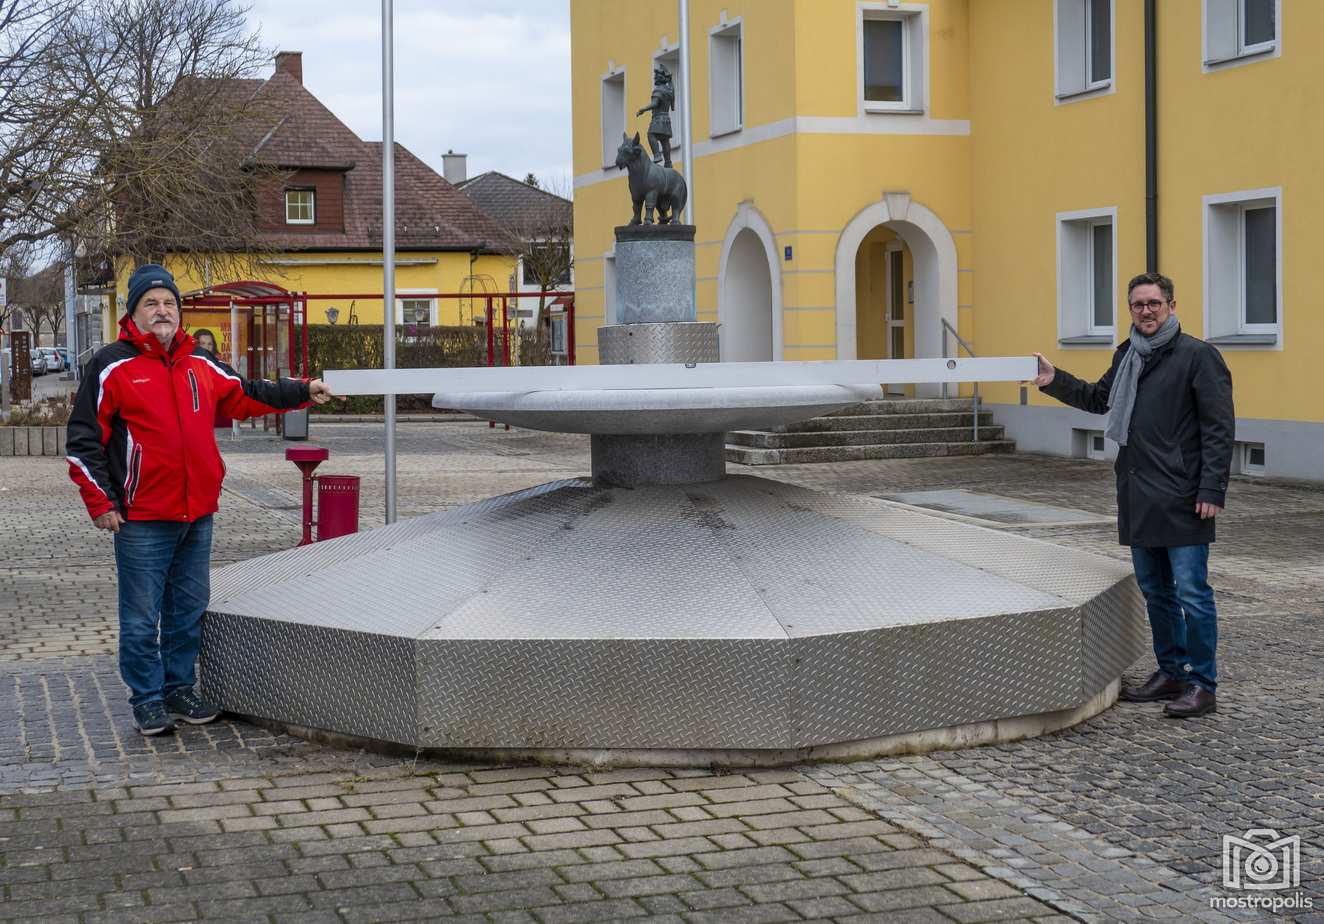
<point x="337" y="506"/>
<point x="307" y="458"/>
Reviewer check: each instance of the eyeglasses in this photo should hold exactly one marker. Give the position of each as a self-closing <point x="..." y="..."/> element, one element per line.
<point x="1147" y="306"/>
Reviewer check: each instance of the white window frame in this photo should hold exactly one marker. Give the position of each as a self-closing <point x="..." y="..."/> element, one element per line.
<point x="1075" y="285"/>
<point x="914" y="51"/>
<point x="312" y="207"/>
<point x="1243" y="464"/>
<point x="527" y="283"/>
<point x="558" y="330"/>
<point x="1065" y="15"/>
<point x="1225" y="269"/>
<point x="1223" y="28"/>
<point x="416" y="295"/>
<point x="723" y="31"/>
<point x="612" y="131"/>
<point x="677" y="114"/>
<point x="1091" y="452"/>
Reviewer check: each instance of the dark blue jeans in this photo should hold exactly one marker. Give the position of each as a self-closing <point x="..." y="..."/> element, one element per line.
<point x="164" y="585"/>
<point x="1182" y="617"/>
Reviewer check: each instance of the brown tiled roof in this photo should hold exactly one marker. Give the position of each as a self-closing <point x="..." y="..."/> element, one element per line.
<point x="298" y="132"/>
<point x="516" y="204"/>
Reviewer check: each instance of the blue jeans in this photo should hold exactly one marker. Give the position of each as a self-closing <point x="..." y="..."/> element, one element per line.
<point x="164" y="585"/>
<point x="1182" y="617"/>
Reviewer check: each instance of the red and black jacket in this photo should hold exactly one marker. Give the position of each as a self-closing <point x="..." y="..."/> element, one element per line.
<point x="140" y="436"/>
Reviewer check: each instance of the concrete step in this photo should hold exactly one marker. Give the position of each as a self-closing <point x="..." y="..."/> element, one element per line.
<point x="885" y="422"/>
<point x="907" y="406"/>
<point x="748" y="455"/>
<point x="762" y="439"/>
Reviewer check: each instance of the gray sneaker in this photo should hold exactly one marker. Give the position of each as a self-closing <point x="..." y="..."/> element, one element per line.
<point x="186" y="705"/>
<point x="151" y="718"/>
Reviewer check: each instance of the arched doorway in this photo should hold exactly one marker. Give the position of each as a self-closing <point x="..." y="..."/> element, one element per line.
<point x="749" y="292"/>
<point x="928" y="259"/>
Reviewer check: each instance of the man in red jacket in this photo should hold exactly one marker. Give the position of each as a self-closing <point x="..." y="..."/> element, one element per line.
<point x="143" y="453"/>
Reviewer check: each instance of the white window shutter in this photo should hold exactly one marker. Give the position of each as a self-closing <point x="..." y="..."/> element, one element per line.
<point x="1071" y="76"/>
<point x="1220" y="29"/>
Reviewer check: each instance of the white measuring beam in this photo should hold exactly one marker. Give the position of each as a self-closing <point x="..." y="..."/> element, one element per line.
<point x="680" y="375"/>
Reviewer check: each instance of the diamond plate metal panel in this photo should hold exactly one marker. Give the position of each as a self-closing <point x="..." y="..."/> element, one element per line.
<point x="669" y="342"/>
<point x="404" y="589"/>
<point x="821" y="575"/>
<point x="235" y="579"/>
<point x="609" y="693"/>
<point x="354" y="683"/>
<point x="1060" y="572"/>
<point x="655" y="571"/>
<point x="741" y="614"/>
<point x="1114" y="635"/>
<point x="870" y="684"/>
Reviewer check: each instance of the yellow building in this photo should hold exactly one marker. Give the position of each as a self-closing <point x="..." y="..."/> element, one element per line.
<point x="324" y="224"/>
<point x="872" y="177"/>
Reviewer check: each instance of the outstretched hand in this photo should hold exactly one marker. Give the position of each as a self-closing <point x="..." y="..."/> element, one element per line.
<point x="1046" y="372"/>
<point x="320" y="393"/>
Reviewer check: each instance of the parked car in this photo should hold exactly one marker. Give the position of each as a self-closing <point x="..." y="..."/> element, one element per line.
<point x="54" y="361"/>
<point x="64" y="354"/>
<point x="38" y="360"/>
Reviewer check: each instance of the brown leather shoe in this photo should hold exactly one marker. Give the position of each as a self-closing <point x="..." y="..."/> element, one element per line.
<point x="1158" y="686"/>
<point x="1196" y="701"/>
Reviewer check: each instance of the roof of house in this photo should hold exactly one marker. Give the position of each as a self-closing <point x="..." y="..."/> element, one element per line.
<point x="516" y="204"/>
<point x="295" y="131"/>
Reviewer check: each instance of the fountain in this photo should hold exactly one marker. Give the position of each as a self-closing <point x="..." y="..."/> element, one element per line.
<point x="662" y="611"/>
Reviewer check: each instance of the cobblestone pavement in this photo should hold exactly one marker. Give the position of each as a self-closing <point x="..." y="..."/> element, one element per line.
<point x="1120" y="818"/>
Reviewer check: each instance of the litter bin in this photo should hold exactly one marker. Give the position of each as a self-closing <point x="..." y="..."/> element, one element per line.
<point x="337" y="506"/>
<point x="295" y="425"/>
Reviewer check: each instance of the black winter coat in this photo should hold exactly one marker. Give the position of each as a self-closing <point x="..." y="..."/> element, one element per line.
<point x="1179" y="448"/>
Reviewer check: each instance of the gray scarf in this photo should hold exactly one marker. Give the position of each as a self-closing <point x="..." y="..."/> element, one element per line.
<point x="1122" y="397"/>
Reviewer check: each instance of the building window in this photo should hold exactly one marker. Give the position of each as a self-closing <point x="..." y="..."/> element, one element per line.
<point x="891" y="49"/>
<point x="300" y="206"/>
<point x="558" y="334"/>
<point x="1249" y="459"/>
<point x="613" y="116"/>
<point x="1087" y="281"/>
<point x="671" y="61"/>
<point x="726" y="83"/>
<point x="553" y="257"/>
<point x="1239" y="29"/>
<point x="416" y="311"/>
<point x="1243" y="291"/>
<point x="1084" y="46"/>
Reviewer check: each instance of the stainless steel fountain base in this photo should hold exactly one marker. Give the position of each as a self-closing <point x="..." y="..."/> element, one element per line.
<point x="745" y="615"/>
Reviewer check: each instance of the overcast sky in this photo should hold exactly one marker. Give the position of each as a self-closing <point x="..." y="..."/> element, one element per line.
<point x="490" y="79"/>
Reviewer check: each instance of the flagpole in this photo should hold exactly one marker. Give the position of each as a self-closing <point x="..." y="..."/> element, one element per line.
<point x="388" y="239"/>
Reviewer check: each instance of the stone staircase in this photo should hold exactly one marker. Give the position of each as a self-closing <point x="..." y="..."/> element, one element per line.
<point x="890" y="428"/>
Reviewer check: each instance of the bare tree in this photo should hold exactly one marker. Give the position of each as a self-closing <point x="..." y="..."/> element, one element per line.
<point x="15" y="265"/>
<point x="545" y="232"/>
<point x="40" y="296"/>
<point x="126" y="127"/>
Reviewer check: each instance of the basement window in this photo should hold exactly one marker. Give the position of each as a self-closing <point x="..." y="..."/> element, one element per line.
<point x="1084" y="46"/>
<point x="1236" y="30"/>
<point x="300" y="206"/>
<point x="1250" y="459"/>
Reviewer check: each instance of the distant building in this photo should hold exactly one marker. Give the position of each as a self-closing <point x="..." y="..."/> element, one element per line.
<point x="544" y="224"/>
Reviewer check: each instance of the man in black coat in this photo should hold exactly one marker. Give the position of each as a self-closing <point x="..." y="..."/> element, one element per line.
<point x="1168" y="397"/>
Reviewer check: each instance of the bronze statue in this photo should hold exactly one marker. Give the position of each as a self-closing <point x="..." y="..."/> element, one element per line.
<point x="659" y="127"/>
<point x="651" y="185"/>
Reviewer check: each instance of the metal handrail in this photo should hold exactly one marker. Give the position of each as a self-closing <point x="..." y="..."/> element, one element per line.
<point x="960" y="344"/>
